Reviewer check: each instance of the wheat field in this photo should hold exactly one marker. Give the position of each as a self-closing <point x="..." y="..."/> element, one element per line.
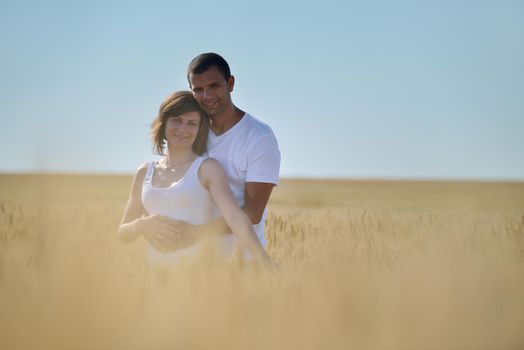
<point x="364" y="265"/>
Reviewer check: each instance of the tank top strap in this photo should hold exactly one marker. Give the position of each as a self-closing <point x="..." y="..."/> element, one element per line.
<point x="149" y="173"/>
<point x="198" y="162"/>
<point x="195" y="166"/>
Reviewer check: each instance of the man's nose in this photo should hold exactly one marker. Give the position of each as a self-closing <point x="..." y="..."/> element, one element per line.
<point x="206" y="93"/>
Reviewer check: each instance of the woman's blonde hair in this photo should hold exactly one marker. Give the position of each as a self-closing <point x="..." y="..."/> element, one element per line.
<point x="175" y="105"/>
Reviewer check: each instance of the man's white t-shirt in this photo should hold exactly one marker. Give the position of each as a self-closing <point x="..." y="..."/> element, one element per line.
<point x="249" y="153"/>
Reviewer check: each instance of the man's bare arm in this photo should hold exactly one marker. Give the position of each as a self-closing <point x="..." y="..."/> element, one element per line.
<point x="256" y="197"/>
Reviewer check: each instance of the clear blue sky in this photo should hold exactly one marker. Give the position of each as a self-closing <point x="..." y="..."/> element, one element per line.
<point x="381" y="89"/>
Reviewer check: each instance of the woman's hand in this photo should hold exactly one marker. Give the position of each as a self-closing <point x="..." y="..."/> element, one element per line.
<point x="163" y="233"/>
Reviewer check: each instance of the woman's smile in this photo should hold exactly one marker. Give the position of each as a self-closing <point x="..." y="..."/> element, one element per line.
<point x="183" y="128"/>
<point x="182" y="137"/>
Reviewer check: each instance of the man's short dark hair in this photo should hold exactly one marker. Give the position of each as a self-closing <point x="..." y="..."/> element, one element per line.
<point x="204" y="61"/>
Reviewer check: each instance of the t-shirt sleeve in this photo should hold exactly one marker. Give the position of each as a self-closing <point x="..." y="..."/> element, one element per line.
<point x="263" y="160"/>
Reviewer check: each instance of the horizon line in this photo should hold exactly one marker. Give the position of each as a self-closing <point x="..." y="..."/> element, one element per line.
<point x="292" y="177"/>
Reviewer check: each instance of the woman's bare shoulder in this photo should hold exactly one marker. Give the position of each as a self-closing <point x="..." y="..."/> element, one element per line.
<point x="211" y="162"/>
<point x="211" y="169"/>
<point x="141" y="171"/>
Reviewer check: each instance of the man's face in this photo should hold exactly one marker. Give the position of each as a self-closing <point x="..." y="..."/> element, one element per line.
<point x="212" y="90"/>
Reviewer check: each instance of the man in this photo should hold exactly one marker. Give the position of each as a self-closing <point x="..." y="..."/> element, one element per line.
<point x="246" y="147"/>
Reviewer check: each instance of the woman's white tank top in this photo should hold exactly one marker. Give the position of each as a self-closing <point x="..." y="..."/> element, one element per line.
<point x="186" y="200"/>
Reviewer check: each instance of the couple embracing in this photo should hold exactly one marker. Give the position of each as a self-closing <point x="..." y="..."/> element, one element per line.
<point x="218" y="167"/>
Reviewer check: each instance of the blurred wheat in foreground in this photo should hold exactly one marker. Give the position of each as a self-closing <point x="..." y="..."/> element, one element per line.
<point x="365" y="265"/>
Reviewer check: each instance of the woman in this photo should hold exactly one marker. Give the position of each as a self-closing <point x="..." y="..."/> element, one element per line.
<point x="183" y="185"/>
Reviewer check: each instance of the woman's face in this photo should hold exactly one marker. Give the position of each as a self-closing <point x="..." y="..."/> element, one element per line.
<point x="181" y="131"/>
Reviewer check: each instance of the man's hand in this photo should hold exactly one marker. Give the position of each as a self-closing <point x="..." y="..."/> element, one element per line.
<point x="164" y="234"/>
<point x="192" y="233"/>
<point x="160" y="243"/>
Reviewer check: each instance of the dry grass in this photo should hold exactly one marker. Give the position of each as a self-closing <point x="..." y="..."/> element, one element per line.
<point x="366" y="265"/>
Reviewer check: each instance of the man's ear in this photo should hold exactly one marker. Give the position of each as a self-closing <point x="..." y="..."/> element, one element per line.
<point x="231" y="83"/>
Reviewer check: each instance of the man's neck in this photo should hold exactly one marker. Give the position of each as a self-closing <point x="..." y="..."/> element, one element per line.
<point x="224" y="121"/>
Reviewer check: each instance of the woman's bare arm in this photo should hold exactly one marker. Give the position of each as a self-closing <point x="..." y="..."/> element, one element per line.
<point x="159" y="230"/>
<point x="128" y="230"/>
<point x="214" y="178"/>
